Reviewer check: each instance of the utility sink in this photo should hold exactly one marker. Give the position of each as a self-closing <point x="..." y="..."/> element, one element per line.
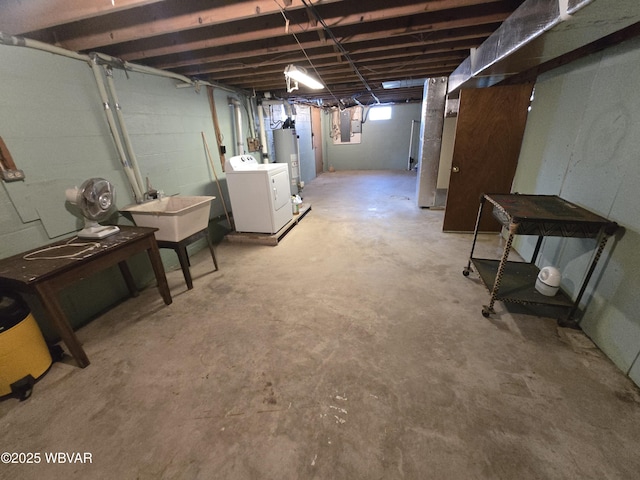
<point x="175" y="217"/>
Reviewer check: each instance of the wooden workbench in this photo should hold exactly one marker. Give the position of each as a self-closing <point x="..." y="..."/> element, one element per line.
<point x="45" y="271"/>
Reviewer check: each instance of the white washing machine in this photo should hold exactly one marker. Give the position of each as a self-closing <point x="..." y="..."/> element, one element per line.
<point x="260" y="194"/>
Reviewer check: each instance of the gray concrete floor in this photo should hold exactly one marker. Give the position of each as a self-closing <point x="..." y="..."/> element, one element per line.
<point x="354" y="349"/>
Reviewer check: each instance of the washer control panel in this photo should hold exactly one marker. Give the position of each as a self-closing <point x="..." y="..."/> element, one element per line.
<point x="240" y="162"/>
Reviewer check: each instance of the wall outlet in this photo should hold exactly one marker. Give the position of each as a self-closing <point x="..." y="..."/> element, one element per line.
<point x="11" y="175"/>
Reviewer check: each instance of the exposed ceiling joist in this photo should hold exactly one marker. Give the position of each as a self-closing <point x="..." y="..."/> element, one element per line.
<point x="20" y="17"/>
<point x="352" y="45"/>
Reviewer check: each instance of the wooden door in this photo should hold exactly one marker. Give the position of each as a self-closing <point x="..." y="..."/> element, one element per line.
<point x="489" y="132"/>
<point x="316" y="138"/>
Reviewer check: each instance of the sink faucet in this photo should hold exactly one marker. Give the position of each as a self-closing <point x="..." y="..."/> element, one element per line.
<point x="151" y="193"/>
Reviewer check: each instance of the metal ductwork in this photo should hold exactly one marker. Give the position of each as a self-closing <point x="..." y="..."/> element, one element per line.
<point x="540" y="31"/>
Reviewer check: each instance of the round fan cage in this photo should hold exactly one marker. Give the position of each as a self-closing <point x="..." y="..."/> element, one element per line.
<point x="96" y="198"/>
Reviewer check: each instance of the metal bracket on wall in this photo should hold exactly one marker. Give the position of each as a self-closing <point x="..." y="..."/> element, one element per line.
<point x="8" y="170"/>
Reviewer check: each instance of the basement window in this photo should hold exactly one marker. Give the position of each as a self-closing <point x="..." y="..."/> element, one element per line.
<point x="380" y="113"/>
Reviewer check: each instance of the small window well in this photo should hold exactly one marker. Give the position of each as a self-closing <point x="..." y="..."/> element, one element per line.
<point x="380" y="113"/>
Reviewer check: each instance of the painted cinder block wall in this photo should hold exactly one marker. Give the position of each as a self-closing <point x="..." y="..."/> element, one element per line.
<point x="582" y="142"/>
<point x="384" y="146"/>
<point x="53" y="122"/>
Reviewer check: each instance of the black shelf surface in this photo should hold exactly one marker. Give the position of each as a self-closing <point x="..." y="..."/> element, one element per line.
<point x="518" y="283"/>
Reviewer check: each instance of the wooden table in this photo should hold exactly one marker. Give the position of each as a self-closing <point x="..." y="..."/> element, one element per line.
<point x="47" y="270"/>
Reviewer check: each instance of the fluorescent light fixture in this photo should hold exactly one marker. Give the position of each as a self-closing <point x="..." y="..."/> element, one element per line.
<point x="300" y="75"/>
<point x="415" y="82"/>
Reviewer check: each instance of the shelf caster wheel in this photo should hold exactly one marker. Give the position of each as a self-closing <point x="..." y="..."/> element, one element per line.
<point x="486" y="312"/>
<point x="466" y="272"/>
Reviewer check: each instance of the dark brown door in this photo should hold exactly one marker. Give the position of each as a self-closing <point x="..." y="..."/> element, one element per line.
<point x="489" y="134"/>
<point x="316" y="138"/>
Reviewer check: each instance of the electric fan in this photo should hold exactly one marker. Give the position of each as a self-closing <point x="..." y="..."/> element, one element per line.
<point x="96" y="200"/>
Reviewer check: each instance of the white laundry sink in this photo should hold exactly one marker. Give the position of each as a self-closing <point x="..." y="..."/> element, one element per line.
<point x="175" y="217"/>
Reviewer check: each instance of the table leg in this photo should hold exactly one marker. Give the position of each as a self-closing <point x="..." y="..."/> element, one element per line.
<point x="128" y="278"/>
<point x="158" y="269"/>
<point x="467" y="269"/>
<point x="49" y="299"/>
<point x="213" y="255"/>
<point x="570" y="322"/>
<point x="181" y="250"/>
<point x="536" y="251"/>
<point x="487" y="310"/>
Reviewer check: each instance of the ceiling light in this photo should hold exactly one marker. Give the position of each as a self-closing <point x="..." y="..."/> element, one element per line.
<point x="300" y="75"/>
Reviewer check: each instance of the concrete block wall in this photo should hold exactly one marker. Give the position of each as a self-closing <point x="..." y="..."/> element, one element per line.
<point x="582" y="142"/>
<point x="384" y="145"/>
<point x="53" y="122"/>
<point x="165" y="124"/>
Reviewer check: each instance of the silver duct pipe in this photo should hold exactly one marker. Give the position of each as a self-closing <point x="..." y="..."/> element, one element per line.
<point x="233" y="102"/>
<point x="539" y="31"/>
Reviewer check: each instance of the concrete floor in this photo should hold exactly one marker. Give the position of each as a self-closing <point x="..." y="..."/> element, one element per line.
<point x="355" y="349"/>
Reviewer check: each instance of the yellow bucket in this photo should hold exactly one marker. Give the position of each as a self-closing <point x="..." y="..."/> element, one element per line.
<point x="24" y="356"/>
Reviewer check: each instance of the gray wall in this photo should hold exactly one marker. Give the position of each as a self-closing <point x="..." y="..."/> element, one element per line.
<point x="53" y="122"/>
<point x="384" y="146"/>
<point x="582" y="142"/>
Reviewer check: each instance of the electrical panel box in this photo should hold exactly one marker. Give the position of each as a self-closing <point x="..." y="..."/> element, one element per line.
<point x="253" y="144"/>
<point x="345" y="125"/>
